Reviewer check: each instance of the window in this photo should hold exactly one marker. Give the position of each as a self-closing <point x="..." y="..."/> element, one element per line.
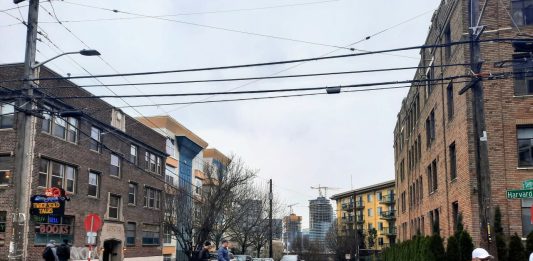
<point x="451" y="109"/>
<point x="430" y="75"/>
<point x="6" y="164"/>
<point x="170" y="146"/>
<point x="522" y="12"/>
<point x="430" y="128"/>
<point x="134" y="152"/>
<point x="96" y="139"/>
<point x="7" y="115"/>
<point x="380" y="226"/>
<point x="403" y="201"/>
<point x="380" y="241"/>
<point x="55" y="228"/>
<point x="523" y="82"/>
<point x="150" y="235"/>
<point x="370" y="213"/>
<point x="131" y="229"/>
<point x="447" y="41"/>
<point x="432" y="177"/>
<point x="3" y="219"/>
<point x="169" y="179"/>
<point x="59" y="175"/>
<point x="525" y="146"/>
<point x="115" y="166"/>
<point x="167" y="235"/>
<point x="369" y="197"/>
<point x="132" y="194"/>
<point x="379" y="211"/>
<point x="197" y="186"/>
<point x="153" y="163"/>
<point x="370" y="226"/>
<point x="94" y="183"/>
<point x="379" y="196"/>
<point x="402" y="171"/>
<point x="453" y="161"/>
<point x="455" y="214"/>
<point x="118" y="120"/>
<point x="527" y="227"/>
<point x="63" y="128"/>
<point x="113" y="206"/>
<point x="152" y="198"/>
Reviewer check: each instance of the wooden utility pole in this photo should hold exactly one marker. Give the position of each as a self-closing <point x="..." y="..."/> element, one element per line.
<point x="270" y="198"/>
<point x="25" y="127"/>
<point x="481" y="139"/>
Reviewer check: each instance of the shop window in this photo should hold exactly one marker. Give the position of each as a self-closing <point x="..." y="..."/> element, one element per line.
<point x="58" y="229"/>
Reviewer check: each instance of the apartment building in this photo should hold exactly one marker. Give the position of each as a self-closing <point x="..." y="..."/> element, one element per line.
<point x="106" y="162"/>
<point x="292" y="232"/>
<point x="435" y="140"/>
<point x="184" y="169"/>
<point x="366" y="209"/>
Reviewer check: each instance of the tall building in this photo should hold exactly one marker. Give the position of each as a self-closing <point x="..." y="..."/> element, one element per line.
<point x="369" y="209"/>
<point x="435" y="140"/>
<point x="184" y="169"/>
<point x="292" y="232"/>
<point x="320" y="220"/>
<point x="96" y="154"/>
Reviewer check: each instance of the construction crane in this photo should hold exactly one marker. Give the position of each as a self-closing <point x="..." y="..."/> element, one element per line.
<point x="323" y="188"/>
<point x="290" y="207"/>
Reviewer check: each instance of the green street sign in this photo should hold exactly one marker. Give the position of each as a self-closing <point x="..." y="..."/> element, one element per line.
<point x="528" y="184"/>
<point x="519" y="193"/>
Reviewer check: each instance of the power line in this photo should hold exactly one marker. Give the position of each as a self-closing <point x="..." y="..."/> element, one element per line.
<point x="195" y="13"/>
<point x="209" y="26"/>
<point x="258" y="77"/>
<point x="429" y="81"/>
<point x="275" y="63"/>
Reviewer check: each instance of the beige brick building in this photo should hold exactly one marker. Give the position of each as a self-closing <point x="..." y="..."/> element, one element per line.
<point x="434" y="138"/>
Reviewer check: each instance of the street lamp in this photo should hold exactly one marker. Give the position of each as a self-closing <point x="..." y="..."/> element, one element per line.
<point x="83" y="52"/>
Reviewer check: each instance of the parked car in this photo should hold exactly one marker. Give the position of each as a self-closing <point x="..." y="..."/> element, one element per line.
<point x="243" y="258"/>
<point x="263" y="259"/>
<point x="290" y="258"/>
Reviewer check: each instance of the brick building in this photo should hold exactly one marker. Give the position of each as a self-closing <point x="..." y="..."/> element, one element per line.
<point x="434" y="138"/>
<point x="107" y="162"/>
<point x="368" y="208"/>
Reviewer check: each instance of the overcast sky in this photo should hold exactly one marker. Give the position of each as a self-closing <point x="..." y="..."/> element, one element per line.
<point x="325" y="140"/>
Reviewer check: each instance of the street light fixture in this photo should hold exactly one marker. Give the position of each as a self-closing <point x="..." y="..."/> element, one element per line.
<point x="83" y="52"/>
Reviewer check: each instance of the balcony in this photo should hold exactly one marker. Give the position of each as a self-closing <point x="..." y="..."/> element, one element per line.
<point x="347" y="206"/>
<point x="387" y="199"/>
<point x="348" y="219"/>
<point x="388" y="215"/>
<point x="359" y="205"/>
<point x="389" y="231"/>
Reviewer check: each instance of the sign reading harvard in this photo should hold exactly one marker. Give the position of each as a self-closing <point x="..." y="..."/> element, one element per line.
<point x="519" y="193"/>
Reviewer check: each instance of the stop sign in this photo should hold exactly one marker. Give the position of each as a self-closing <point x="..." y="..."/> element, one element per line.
<point x="92" y="223"/>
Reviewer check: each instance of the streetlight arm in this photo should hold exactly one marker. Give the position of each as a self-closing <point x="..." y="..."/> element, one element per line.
<point x="37" y="64"/>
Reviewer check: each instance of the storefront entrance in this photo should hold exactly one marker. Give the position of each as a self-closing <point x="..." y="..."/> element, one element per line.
<point x="112" y="250"/>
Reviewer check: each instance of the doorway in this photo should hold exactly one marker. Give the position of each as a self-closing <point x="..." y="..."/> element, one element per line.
<point x="112" y="250"/>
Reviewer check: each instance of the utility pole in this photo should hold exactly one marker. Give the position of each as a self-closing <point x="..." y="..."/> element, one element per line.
<point x="25" y="140"/>
<point x="270" y="197"/>
<point x="482" y="158"/>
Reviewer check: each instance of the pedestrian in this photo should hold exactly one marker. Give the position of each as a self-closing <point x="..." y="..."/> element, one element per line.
<point x="50" y="252"/>
<point x="63" y="251"/>
<point x="480" y="254"/>
<point x="223" y="253"/>
<point x="531" y="257"/>
<point x="204" y="253"/>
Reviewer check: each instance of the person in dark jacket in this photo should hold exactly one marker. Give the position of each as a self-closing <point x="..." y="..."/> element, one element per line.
<point x="63" y="251"/>
<point x="223" y="253"/>
<point x="50" y="252"/>
<point x="204" y="253"/>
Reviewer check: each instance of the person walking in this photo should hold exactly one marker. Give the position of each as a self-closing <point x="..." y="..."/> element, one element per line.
<point x="223" y="253"/>
<point x="204" y="253"/>
<point x="50" y="252"/>
<point x="480" y="254"/>
<point x="63" y="251"/>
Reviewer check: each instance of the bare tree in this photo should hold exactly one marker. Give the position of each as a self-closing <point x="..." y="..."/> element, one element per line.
<point x="223" y="186"/>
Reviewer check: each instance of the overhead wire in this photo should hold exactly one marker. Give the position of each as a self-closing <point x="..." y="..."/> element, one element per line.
<point x="257" y="77"/>
<point x="110" y="66"/>
<point x="503" y="40"/>
<point x="195" y="13"/>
